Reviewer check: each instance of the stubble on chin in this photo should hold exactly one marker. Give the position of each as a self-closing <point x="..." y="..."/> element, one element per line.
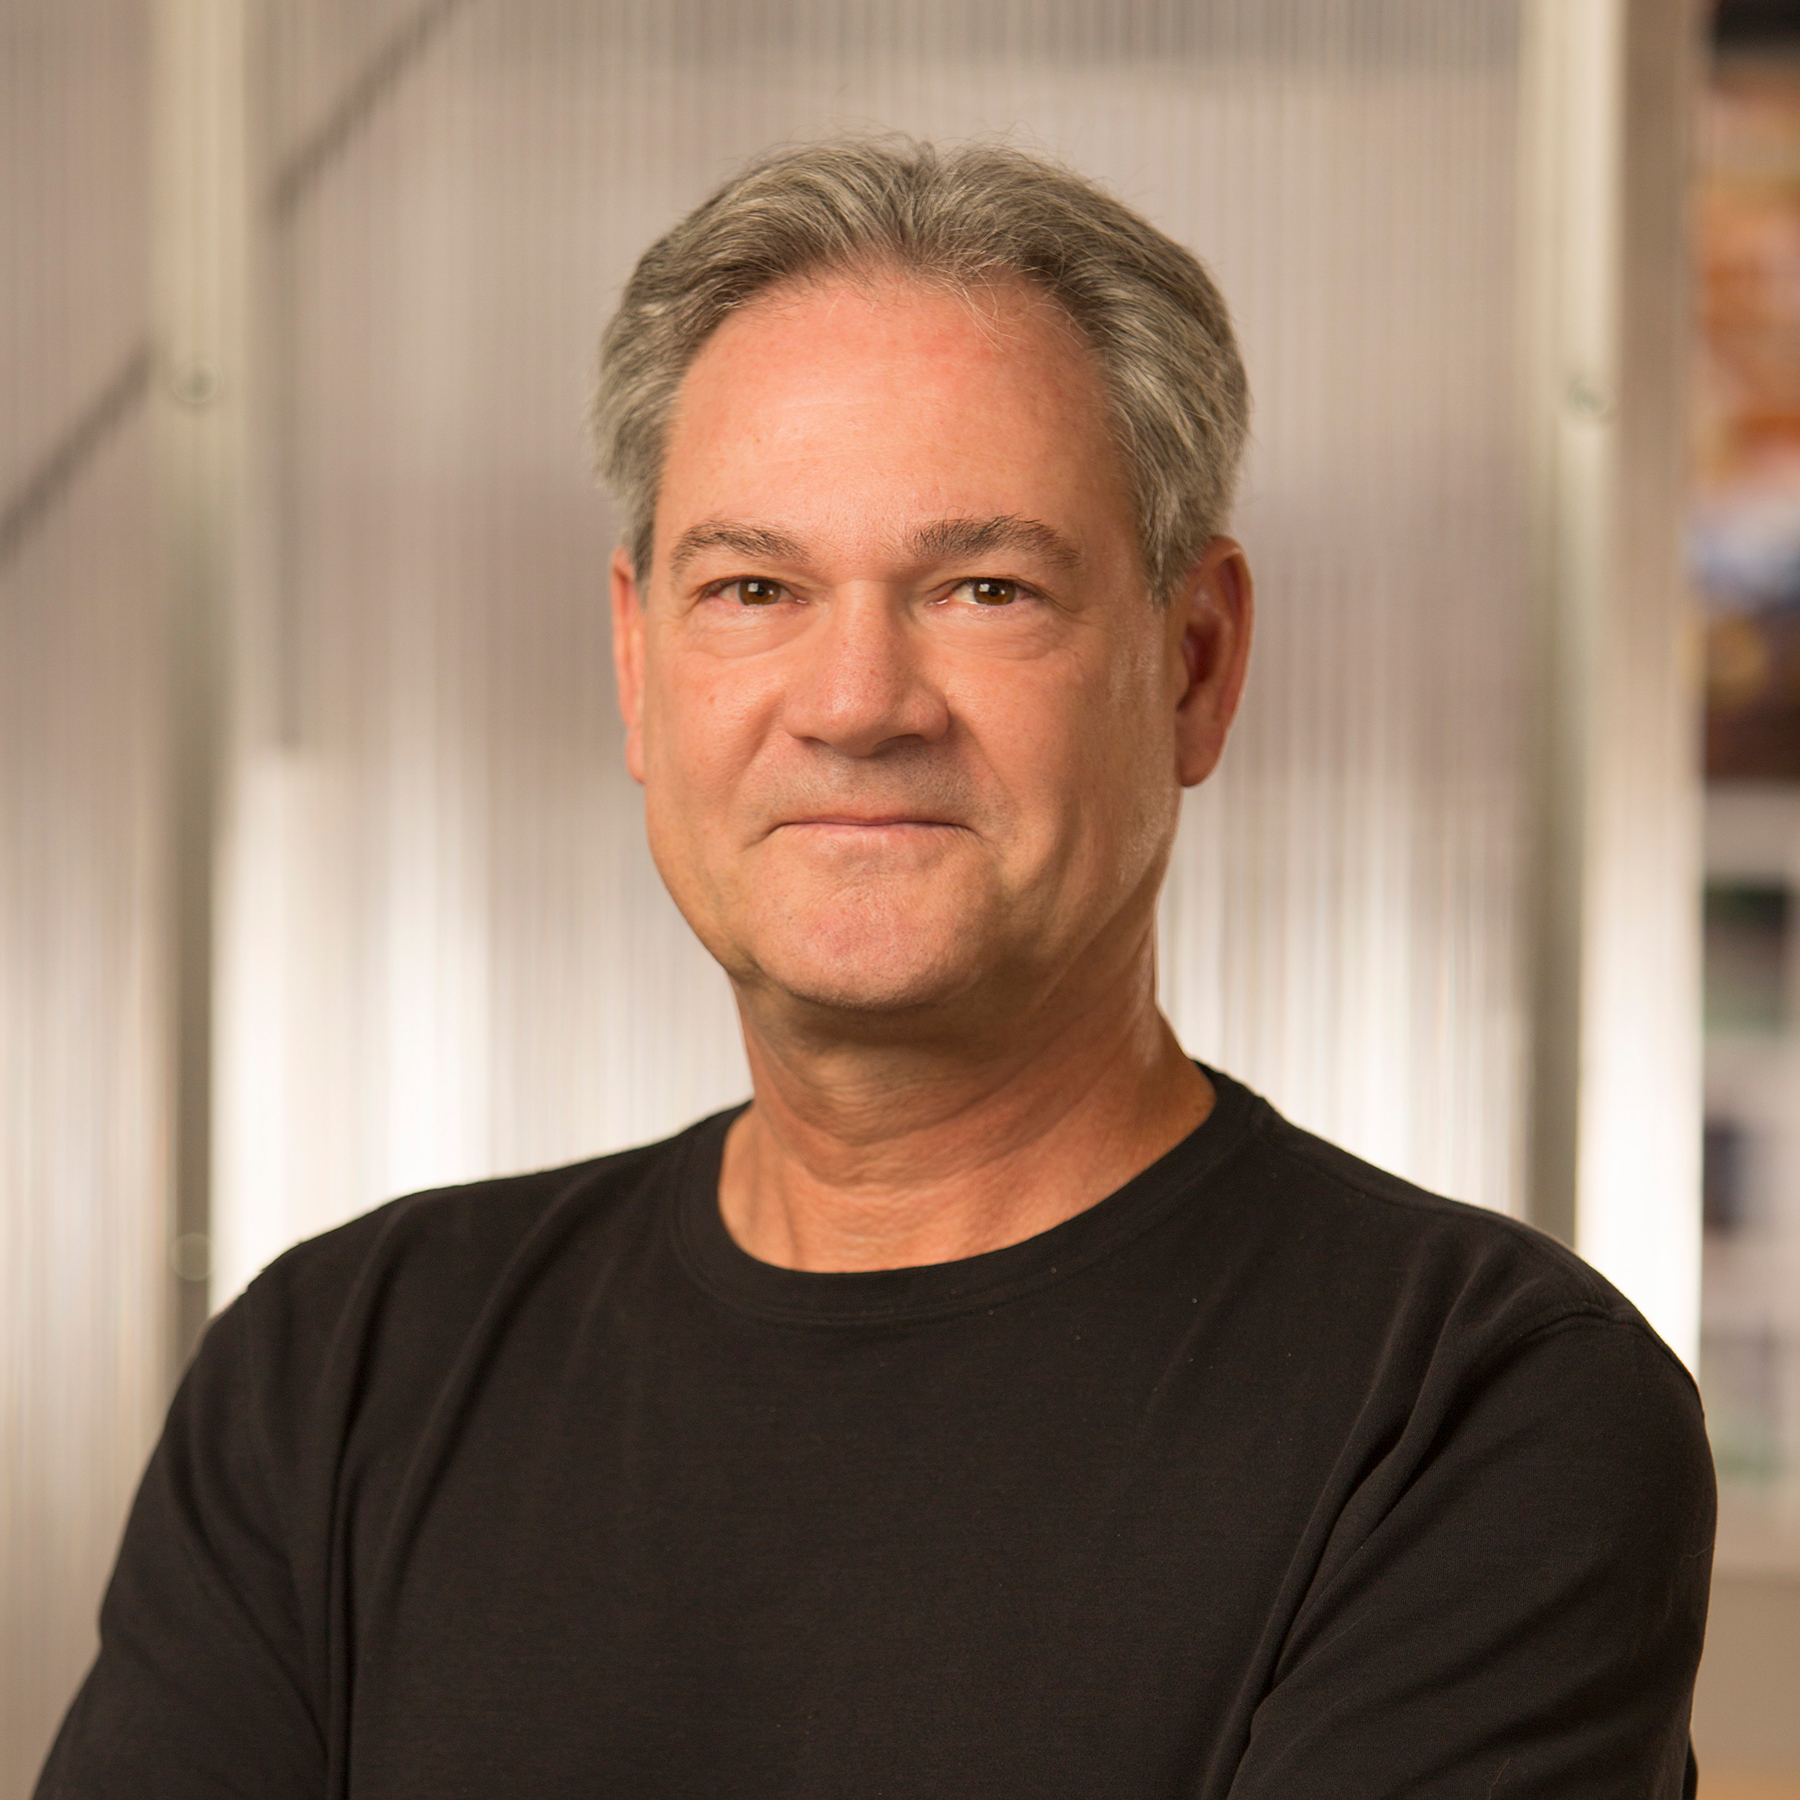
<point x="865" y="949"/>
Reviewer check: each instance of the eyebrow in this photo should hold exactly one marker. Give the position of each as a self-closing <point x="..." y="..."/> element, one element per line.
<point x="950" y="540"/>
<point x="746" y="540"/>
<point x="943" y="540"/>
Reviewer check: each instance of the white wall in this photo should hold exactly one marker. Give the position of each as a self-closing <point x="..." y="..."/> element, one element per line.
<point x="447" y="951"/>
<point x="439" y="947"/>
<point x="84" y="816"/>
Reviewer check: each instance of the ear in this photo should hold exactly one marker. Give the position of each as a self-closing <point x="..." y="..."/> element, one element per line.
<point x="1211" y="615"/>
<point x="628" y="657"/>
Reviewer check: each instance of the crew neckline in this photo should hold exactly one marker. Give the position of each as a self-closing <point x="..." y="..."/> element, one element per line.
<point x="714" y="1259"/>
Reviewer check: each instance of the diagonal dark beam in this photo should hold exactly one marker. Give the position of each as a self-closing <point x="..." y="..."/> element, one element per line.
<point x="322" y="147"/>
<point x="32" y="502"/>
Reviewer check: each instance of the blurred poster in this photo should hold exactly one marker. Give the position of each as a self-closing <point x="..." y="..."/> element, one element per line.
<point x="1746" y="522"/>
<point x="1745" y="546"/>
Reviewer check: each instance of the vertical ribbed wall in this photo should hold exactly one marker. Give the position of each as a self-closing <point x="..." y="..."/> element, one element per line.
<point x="83" y="829"/>
<point x="442" y="948"/>
<point x="449" y="953"/>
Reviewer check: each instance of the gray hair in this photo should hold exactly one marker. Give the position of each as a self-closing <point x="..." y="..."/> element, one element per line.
<point x="968" y="217"/>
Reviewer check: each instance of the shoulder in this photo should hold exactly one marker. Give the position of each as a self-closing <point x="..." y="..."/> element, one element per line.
<point x="1392" y="1231"/>
<point x="1502" y="1390"/>
<point x="1411" y="1277"/>
<point x="410" y="1279"/>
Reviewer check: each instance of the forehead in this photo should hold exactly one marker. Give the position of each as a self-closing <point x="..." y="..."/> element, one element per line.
<point x="858" y="396"/>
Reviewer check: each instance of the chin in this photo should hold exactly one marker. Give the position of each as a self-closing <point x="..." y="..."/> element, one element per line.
<point x="863" y="966"/>
<point x="864" y="994"/>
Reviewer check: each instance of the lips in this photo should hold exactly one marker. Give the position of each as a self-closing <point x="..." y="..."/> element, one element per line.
<point x="847" y="833"/>
<point x="870" y="821"/>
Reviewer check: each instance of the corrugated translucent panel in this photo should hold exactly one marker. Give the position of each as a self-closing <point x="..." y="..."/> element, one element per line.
<point x="446" y="949"/>
<point x="83" y="807"/>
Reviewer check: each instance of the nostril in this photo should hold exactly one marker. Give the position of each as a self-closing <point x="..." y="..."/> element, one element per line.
<point x="863" y="688"/>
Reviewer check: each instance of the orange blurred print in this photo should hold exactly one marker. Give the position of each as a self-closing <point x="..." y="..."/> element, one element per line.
<point x="1745" y="531"/>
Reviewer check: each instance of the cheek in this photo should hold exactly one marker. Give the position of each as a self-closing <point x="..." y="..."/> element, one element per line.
<point x="1142" y="735"/>
<point x="1128" y="768"/>
<point x="704" y="724"/>
<point x="1067" y="750"/>
<point x="688" y="722"/>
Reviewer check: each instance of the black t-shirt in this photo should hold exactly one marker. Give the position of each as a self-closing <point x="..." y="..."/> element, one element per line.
<point x="1268" y="1476"/>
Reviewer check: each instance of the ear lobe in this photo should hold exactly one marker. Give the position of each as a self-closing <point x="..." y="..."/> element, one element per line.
<point x="628" y="657"/>
<point x="1215" y="610"/>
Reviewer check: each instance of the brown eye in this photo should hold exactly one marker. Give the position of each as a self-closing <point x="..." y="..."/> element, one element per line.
<point x="753" y="590"/>
<point x="993" y="593"/>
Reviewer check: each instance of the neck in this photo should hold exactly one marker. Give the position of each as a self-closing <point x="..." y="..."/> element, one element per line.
<point x="881" y="1155"/>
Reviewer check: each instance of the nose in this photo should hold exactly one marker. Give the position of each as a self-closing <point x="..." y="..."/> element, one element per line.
<point x="858" y="683"/>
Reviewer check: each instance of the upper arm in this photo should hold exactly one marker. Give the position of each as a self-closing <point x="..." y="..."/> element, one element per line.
<point x="1525" y="1615"/>
<point x="200" y="1686"/>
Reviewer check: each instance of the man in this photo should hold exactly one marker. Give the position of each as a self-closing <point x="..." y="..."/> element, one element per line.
<point x="1000" y="1403"/>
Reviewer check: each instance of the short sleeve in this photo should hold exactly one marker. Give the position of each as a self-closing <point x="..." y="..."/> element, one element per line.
<point x="199" y="1689"/>
<point x="1525" y="1615"/>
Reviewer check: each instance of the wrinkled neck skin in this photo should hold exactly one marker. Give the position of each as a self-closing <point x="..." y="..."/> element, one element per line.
<point x="892" y="1141"/>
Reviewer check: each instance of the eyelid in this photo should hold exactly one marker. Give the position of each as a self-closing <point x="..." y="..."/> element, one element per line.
<point x="1023" y="589"/>
<point x="712" y="589"/>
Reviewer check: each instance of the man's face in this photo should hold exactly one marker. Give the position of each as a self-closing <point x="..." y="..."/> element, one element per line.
<point x="909" y="724"/>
